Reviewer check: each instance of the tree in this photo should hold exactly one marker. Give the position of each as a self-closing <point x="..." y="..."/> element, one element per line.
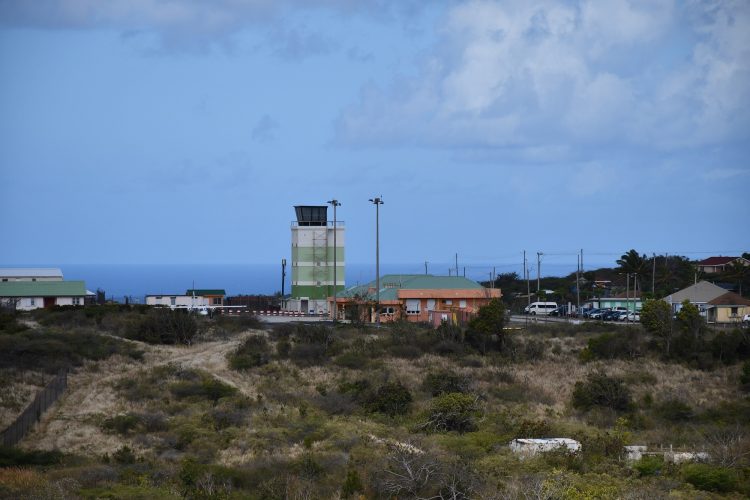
<point x="738" y="273"/>
<point x="632" y="262"/>
<point x="487" y="327"/>
<point x="656" y="318"/>
<point x="690" y="321"/>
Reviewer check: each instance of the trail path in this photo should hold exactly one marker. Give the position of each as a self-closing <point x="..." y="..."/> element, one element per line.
<point x="71" y="424"/>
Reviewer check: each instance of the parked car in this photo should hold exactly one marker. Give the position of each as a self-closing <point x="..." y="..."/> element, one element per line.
<point x="621" y="315"/>
<point x="611" y="315"/>
<point x="560" y="311"/>
<point x="633" y="316"/>
<point x="598" y="314"/>
<point x="746" y="318"/>
<point x="586" y="313"/>
<point x="540" y="308"/>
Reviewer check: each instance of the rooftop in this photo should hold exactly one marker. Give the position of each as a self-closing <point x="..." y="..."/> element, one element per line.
<point x="391" y="284"/>
<point x="34" y="272"/>
<point x="42" y="289"/>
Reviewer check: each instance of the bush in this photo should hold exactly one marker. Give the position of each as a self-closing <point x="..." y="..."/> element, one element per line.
<point x="650" y="465"/>
<point x="254" y="352"/>
<point x="121" y="424"/>
<point x="674" y="410"/>
<point x="352" y="360"/>
<point x="452" y="411"/>
<point x="444" y="382"/>
<point x="164" y="326"/>
<point x="9" y="324"/>
<point x="205" y="388"/>
<point x="621" y="345"/>
<point x="745" y="376"/>
<point x="10" y="457"/>
<point x="601" y="390"/>
<point x="392" y="399"/>
<point x="308" y="354"/>
<point x="710" y="478"/>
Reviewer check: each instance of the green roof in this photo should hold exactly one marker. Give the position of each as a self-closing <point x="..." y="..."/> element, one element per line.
<point x="42" y="289"/>
<point x="390" y="284"/>
<point x="206" y="291"/>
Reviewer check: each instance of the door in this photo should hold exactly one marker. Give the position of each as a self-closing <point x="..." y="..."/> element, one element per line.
<point x="304" y="306"/>
<point x="49" y="302"/>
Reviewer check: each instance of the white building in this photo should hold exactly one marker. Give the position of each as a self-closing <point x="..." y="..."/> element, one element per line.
<point x="27" y="295"/>
<point x="8" y="274"/>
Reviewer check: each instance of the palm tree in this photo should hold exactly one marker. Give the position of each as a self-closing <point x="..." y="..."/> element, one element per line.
<point x="632" y="262"/>
<point x="737" y="272"/>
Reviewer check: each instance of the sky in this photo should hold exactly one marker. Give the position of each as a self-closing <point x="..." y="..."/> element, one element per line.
<point x="184" y="131"/>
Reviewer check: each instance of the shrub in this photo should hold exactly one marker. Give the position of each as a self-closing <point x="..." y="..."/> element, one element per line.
<point x="9" y="324"/>
<point x="601" y="390"/>
<point x="650" y="465"/>
<point x="121" y="424"/>
<point x="745" y="376"/>
<point x="10" y="457"/>
<point x="675" y="410"/>
<point x="623" y="345"/>
<point x="452" y="411"/>
<point x="444" y="382"/>
<point x="352" y="484"/>
<point x="124" y="456"/>
<point x="533" y="429"/>
<point x="352" y="360"/>
<point x="253" y="352"/>
<point x="164" y="326"/>
<point x="391" y="398"/>
<point x="205" y="388"/>
<point x="709" y="478"/>
<point x="308" y="354"/>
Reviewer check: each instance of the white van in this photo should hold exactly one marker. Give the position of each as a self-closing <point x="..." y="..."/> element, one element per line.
<point x="540" y="308"/>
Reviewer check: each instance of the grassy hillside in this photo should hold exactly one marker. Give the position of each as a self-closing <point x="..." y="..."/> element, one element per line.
<point x="306" y="411"/>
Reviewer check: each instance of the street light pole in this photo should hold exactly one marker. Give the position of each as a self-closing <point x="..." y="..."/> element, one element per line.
<point x="377" y="202"/>
<point x="335" y="204"/>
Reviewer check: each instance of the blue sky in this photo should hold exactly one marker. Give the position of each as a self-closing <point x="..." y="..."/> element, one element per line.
<point x="165" y="131"/>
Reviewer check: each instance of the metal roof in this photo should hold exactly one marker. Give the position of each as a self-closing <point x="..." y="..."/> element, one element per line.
<point x="701" y="292"/>
<point x="42" y="289"/>
<point x="32" y="272"/>
<point x="390" y="284"/>
<point x="204" y="291"/>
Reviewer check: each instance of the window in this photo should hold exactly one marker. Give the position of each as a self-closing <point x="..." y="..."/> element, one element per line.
<point x="387" y="310"/>
<point x="76" y="301"/>
<point x="33" y="279"/>
<point x="32" y="302"/>
<point x="734" y="311"/>
<point x="5" y="279"/>
<point x="448" y="302"/>
<point x="173" y="301"/>
<point x="412" y="306"/>
<point x="217" y="301"/>
<point x="462" y="304"/>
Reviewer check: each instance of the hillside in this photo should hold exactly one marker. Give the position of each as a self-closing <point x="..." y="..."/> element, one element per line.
<point x="309" y="412"/>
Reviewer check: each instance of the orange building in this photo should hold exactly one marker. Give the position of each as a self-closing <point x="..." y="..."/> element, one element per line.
<point x="416" y="298"/>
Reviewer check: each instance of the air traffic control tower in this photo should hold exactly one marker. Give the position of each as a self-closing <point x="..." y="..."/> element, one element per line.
<point x="313" y="259"/>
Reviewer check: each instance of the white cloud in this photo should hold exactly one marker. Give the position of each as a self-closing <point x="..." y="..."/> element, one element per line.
<point x="538" y="74"/>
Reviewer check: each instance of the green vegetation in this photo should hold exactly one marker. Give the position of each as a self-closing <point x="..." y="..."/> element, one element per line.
<point x="403" y="411"/>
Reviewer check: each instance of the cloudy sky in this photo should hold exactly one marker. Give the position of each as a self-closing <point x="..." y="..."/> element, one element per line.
<point x="183" y="131"/>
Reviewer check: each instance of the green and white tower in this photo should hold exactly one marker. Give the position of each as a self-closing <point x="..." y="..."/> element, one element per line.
<point x="314" y="259"/>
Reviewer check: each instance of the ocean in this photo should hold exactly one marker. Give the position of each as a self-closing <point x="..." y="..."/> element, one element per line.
<point x="138" y="280"/>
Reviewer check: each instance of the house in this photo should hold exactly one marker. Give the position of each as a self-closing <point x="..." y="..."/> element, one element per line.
<point x="416" y="298"/>
<point x="699" y="294"/>
<point x="30" y="274"/>
<point x="191" y="298"/>
<point x="727" y="308"/>
<point x="28" y="295"/>
<point x="214" y="296"/>
<point x="719" y="264"/>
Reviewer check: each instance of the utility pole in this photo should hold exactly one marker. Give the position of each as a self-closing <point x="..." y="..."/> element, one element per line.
<point x="653" y="278"/>
<point x="335" y="204"/>
<point x="627" y="295"/>
<point x="578" y="283"/>
<point x="456" y="264"/>
<point x="377" y="202"/>
<point x="283" y="277"/>
<point x="528" y="278"/>
<point x="538" y="270"/>
<point x="425" y="266"/>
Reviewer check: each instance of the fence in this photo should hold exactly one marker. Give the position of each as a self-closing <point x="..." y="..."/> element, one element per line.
<point x="31" y="415"/>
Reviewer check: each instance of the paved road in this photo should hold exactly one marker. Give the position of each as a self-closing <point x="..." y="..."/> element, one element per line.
<point x="522" y="318"/>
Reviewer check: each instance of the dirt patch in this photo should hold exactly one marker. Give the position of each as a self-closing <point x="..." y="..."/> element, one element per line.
<point x="72" y="423"/>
